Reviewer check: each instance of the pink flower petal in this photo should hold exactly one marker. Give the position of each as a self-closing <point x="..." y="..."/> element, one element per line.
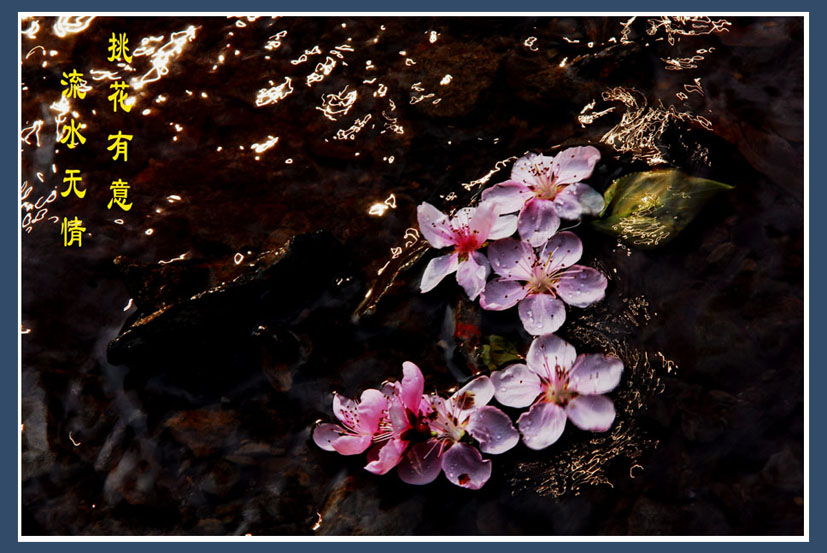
<point x="501" y="294"/>
<point x="425" y="406"/>
<point x="413" y="384"/>
<point x="477" y="221"/>
<point x="461" y="219"/>
<point x="564" y="249"/>
<point x="581" y="286"/>
<point x="440" y="406"/>
<point x="421" y="464"/>
<point x="512" y="259"/>
<point x="529" y="169"/>
<point x="346" y="410"/>
<point x="538" y="221"/>
<point x="473" y="395"/>
<point x="542" y="425"/>
<point x="578" y="199"/>
<point x="594" y="413"/>
<point x="504" y="226"/>
<point x="437" y="269"/>
<point x="508" y="196"/>
<point x="391" y="388"/>
<point x="472" y="273"/>
<point x="383" y="458"/>
<point x="516" y="386"/>
<point x="398" y="415"/>
<point x="464" y="466"/>
<point x="493" y="430"/>
<point x="351" y="445"/>
<point x="372" y="406"/>
<point x="325" y="434"/>
<point x="575" y="164"/>
<point x="548" y="352"/>
<point x="541" y="314"/>
<point x="567" y="206"/>
<point x="434" y="226"/>
<point x="483" y="220"/>
<point x="595" y="373"/>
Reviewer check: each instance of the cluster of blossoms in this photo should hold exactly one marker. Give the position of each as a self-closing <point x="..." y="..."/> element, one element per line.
<point x="538" y="273"/>
<point x="423" y="435"/>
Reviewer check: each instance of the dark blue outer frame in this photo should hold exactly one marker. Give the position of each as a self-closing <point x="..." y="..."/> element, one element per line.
<point x="9" y="214"/>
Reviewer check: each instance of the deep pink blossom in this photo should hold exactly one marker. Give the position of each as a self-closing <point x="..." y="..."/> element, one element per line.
<point x="541" y="284"/>
<point x="408" y="408"/>
<point x="558" y="384"/>
<point x="447" y="450"/>
<point x="422" y="435"/>
<point x="466" y="232"/>
<point x="545" y="189"/>
<point x="360" y="422"/>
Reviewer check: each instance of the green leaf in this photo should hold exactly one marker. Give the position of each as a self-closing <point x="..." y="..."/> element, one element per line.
<point x="498" y="352"/>
<point x="648" y="209"/>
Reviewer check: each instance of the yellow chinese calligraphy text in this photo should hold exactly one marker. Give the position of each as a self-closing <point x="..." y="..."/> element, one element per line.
<point x="119" y="145"/>
<point x="118" y="98"/>
<point x="73" y="178"/>
<point x="119" y="192"/>
<point x="75" y="85"/>
<point x="72" y="134"/>
<point x="72" y="231"/>
<point x="118" y="49"/>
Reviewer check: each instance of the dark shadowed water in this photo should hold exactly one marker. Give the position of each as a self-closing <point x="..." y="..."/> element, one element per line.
<point x="151" y="407"/>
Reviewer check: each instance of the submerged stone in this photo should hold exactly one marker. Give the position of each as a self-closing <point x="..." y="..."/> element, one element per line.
<point x="208" y="343"/>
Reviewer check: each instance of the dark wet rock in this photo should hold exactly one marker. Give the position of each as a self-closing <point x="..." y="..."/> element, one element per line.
<point x="209" y="527"/>
<point x="651" y="517"/>
<point x="547" y="86"/>
<point x="220" y="479"/>
<point x="113" y="448"/>
<point x="37" y="455"/>
<point x="200" y="343"/>
<point x="709" y="416"/>
<point x="784" y="470"/>
<point x="132" y="478"/>
<point x="204" y="431"/>
<point x="721" y="253"/>
<point x="282" y="352"/>
<point x="156" y="286"/>
<point x="356" y="514"/>
<point x="491" y="521"/>
<point x="455" y="73"/>
<point x="759" y="147"/>
<point x="250" y="452"/>
<point x="759" y="33"/>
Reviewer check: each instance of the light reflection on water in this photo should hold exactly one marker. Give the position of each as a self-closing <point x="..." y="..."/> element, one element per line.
<point x="161" y="58"/>
<point x="70" y="25"/>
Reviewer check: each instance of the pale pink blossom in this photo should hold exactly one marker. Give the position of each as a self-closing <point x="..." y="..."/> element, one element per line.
<point x="545" y="189"/>
<point x="541" y="284"/>
<point x="465" y="232"/>
<point x="558" y="384"/>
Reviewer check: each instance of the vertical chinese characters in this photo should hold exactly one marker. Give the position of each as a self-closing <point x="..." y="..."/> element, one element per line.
<point x="75" y="87"/>
<point x="119" y="51"/>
